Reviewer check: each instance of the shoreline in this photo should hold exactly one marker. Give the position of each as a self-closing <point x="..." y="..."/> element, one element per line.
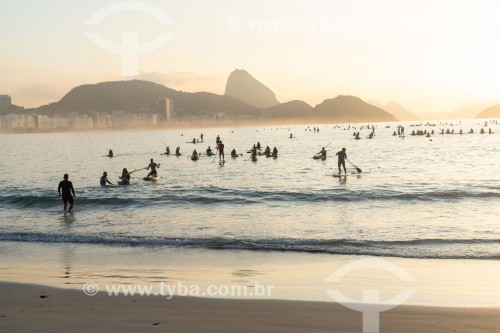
<point x="36" y="308"/>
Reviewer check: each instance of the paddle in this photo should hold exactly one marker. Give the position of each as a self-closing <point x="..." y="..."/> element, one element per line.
<point x="357" y="169"/>
<point x="321" y="150"/>
<point x="215" y="155"/>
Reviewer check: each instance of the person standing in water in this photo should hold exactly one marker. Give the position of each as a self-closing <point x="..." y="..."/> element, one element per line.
<point x="153" y="167"/>
<point x="104" y="179"/>
<point x="342" y="157"/>
<point x="65" y="189"/>
<point x="220" y="148"/>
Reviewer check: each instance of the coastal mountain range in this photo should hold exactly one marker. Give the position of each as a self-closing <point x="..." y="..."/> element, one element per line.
<point x="244" y="96"/>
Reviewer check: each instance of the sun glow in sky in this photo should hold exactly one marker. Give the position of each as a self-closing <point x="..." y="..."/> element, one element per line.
<point x="430" y="56"/>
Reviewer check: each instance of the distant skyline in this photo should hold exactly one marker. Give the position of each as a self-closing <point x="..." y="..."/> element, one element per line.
<point x="429" y="56"/>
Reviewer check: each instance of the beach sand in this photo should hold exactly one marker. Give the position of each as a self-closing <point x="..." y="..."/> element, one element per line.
<point x="34" y="308"/>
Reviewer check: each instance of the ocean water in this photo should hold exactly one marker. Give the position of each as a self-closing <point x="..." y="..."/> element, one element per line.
<point x="416" y="197"/>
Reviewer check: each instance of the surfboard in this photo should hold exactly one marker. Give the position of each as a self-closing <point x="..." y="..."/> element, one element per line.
<point x="337" y="175"/>
<point x="152" y="179"/>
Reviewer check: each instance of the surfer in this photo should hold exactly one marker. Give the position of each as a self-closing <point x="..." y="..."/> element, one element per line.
<point x="67" y="188"/>
<point x="201" y="137"/>
<point x="209" y="151"/>
<point x="217" y="140"/>
<point x="220" y="147"/>
<point x="178" y="151"/>
<point x="125" y="178"/>
<point x="110" y="154"/>
<point x="342" y="157"/>
<point x="194" y="156"/>
<point x="234" y="153"/>
<point x="153" y="167"/>
<point x="104" y="179"/>
<point x="275" y="152"/>
<point x="167" y="151"/>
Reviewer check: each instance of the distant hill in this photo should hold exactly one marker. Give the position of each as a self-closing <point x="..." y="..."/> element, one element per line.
<point x="468" y="110"/>
<point x="397" y="110"/>
<point x="241" y="85"/>
<point x="350" y="109"/>
<point x="293" y="109"/>
<point x="133" y="95"/>
<point x="491" y="112"/>
<point x="400" y="112"/>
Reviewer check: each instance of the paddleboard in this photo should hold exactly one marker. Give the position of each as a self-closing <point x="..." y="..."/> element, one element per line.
<point x="340" y="175"/>
<point x="178" y="154"/>
<point x="152" y="179"/>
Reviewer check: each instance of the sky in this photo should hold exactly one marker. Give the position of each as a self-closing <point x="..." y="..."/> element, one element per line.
<point x="430" y="56"/>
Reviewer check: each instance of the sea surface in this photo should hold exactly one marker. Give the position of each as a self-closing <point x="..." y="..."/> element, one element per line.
<point x="416" y="197"/>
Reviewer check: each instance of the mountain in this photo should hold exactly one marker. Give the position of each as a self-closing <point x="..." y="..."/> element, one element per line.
<point x="241" y="85"/>
<point x="397" y="110"/>
<point x="293" y="109"/>
<point x="134" y="95"/>
<point x="469" y="109"/>
<point x="491" y="112"/>
<point x="400" y="112"/>
<point x="350" y="109"/>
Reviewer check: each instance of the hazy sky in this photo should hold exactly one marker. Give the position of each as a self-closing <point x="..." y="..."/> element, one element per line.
<point x="428" y="55"/>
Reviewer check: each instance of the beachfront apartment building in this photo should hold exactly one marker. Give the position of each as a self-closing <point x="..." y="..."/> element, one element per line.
<point x="5" y="102"/>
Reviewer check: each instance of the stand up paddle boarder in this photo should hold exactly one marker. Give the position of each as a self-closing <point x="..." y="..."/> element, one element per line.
<point x="220" y="147"/>
<point x="65" y="189"/>
<point x="153" y="167"/>
<point x="342" y="157"/>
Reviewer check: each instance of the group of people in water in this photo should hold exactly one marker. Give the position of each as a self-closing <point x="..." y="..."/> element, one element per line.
<point x="256" y="151"/>
<point x="219" y="146"/>
<point x="342" y="157"/>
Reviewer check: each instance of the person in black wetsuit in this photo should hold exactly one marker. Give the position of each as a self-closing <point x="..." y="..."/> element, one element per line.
<point x="342" y="157"/>
<point x="65" y="189"/>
